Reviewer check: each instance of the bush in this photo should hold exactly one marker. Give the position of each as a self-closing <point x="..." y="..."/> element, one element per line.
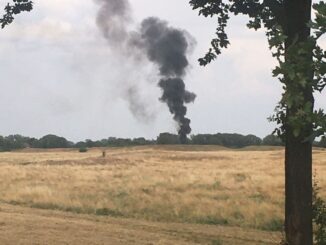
<point x="83" y="149"/>
<point x="319" y="216"/>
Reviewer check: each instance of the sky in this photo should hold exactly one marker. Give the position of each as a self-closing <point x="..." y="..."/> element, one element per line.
<point x="59" y="76"/>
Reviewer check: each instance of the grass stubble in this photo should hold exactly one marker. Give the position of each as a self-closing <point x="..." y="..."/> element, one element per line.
<point x="199" y="185"/>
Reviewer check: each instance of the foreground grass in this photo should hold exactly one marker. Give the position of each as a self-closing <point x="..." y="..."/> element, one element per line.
<point x="22" y="225"/>
<point x="199" y="185"/>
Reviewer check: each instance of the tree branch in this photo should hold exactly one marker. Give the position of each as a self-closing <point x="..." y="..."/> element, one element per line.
<point x="17" y="7"/>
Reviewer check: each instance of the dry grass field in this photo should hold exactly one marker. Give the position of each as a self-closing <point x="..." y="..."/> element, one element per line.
<point x="145" y="195"/>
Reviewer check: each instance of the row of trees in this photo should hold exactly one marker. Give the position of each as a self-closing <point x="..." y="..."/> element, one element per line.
<point x="114" y="142"/>
<point x="15" y="142"/>
<point x="227" y="140"/>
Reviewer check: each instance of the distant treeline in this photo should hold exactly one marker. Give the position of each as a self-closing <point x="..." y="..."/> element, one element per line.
<point x="15" y="142"/>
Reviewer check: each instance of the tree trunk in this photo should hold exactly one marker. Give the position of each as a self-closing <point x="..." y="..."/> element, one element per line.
<point x="298" y="151"/>
<point x="298" y="192"/>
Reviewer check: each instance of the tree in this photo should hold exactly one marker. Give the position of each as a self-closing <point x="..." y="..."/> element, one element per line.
<point x="15" y="8"/>
<point x="167" y="139"/>
<point x="52" y="141"/>
<point x="292" y="37"/>
<point x="272" y="140"/>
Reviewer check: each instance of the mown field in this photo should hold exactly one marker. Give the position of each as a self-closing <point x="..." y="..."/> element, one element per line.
<point x="217" y="192"/>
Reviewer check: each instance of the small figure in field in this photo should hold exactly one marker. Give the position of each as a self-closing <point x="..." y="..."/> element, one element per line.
<point x="104" y="154"/>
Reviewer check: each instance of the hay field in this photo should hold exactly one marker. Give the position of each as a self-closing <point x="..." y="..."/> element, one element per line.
<point x="192" y="185"/>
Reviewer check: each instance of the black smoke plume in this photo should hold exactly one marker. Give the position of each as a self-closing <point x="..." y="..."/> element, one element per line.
<point x="113" y="18"/>
<point x="163" y="45"/>
<point x="175" y="95"/>
<point x="167" y="47"/>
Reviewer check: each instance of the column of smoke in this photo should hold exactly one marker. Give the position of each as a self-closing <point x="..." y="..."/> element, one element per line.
<point x="165" y="46"/>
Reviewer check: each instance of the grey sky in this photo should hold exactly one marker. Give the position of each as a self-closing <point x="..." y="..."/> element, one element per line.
<point x="59" y="76"/>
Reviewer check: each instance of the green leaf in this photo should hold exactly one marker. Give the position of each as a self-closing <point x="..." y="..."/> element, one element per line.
<point x="302" y="82"/>
<point x="296" y="132"/>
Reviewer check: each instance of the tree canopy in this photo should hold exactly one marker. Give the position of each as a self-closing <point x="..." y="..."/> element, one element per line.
<point x="270" y="14"/>
<point x="14" y="8"/>
<point x="293" y="39"/>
